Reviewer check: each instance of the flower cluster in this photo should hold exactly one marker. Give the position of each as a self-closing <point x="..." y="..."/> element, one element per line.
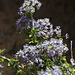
<point x="57" y="30"/>
<point x="46" y="28"/>
<point x="45" y="44"/>
<point x="54" y="71"/>
<point x="55" y="47"/>
<point x="29" y="6"/>
<point x="23" y="23"/>
<point x="26" y="9"/>
<point x="31" y="54"/>
<point x="44" y="52"/>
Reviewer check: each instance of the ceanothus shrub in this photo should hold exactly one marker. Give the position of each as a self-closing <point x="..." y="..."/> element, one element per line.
<point x="44" y="51"/>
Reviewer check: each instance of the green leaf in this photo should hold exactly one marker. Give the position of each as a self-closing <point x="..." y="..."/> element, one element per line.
<point x="11" y="60"/>
<point x="65" y="73"/>
<point x="20" y="72"/>
<point x="63" y="58"/>
<point x="8" y="64"/>
<point x="27" y="40"/>
<point x="30" y="35"/>
<point x="19" y="32"/>
<point x="34" y="37"/>
<point x="2" y="60"/>
<point x="1" y="51"/>
<point x="37" y="30"/>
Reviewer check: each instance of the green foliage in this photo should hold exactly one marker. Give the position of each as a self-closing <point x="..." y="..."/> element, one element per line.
<point x="33" y="36"/>
<point x="11" y="63"/>
<point x="15" y="65"/>
<point x="1" y="60"/>
<point x="1" y="51"/>
<point x="65" y="65"/>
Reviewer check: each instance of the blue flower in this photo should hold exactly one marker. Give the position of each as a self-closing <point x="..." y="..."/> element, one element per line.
<point x="45" y="27"/>
<point x="29" y="6"/>
<point x="23" y="23"/>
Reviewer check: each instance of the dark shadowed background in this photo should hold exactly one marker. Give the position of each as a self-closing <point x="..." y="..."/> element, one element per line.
<point x="60" y="12"/>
